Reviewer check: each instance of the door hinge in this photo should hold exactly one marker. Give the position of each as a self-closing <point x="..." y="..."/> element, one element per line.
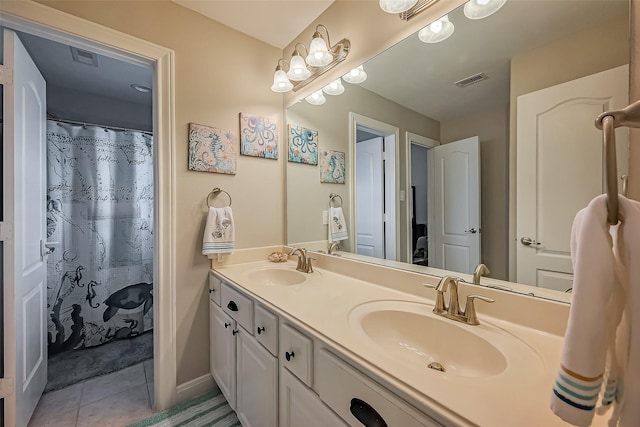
<point x="6" y="387"/>
<point x="6" y="75"/>
<point x="6" y="231"/>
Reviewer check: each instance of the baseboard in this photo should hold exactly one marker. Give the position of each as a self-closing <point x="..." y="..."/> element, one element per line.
<point x="194" y="388"/>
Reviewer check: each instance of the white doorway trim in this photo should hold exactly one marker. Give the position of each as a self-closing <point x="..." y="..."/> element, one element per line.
<point x="55" y="25"/>
<point x="414" y="138"/>
<point x="356" y="120"/>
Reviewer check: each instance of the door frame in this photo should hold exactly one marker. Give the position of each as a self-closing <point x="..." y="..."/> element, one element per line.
<point x="428" y="143"/>
<point x="43" y="21"/>
<point x="356" y="120"/>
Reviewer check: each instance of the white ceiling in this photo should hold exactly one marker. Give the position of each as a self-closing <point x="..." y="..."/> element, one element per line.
<point x="277" y="23"/>
<point x="421" y="76"/>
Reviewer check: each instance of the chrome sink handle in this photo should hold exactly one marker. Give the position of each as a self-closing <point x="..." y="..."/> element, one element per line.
<point x="470" y="308"/>
<point x="309" y="268"/>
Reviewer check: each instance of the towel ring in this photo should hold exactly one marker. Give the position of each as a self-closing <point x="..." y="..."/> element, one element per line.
<point x="215" y="193"/>
<point x="333" y="196"/>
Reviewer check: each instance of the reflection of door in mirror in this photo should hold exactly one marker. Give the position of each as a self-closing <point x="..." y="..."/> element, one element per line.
<point x="555" y="130"/>
<point x="456" y="226"/>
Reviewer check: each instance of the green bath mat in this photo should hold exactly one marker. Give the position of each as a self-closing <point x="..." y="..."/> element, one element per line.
<point x="211" y="410"/>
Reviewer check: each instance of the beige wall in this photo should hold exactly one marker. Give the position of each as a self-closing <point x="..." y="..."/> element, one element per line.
<point x="306" y="196"/>
<point x="582" y="54"/>
<point x="219" y="73"/>
<point x="634" y="95"/>
<point x="491" y="126"/>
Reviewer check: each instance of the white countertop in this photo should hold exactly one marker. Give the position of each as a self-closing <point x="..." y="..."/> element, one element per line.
<point x="518" y="396"/>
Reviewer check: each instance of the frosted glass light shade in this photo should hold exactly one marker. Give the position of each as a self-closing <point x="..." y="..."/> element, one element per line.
<point x="397" y="6"/>
<point x="316" y="98"/>
<point x="334" y="88"/>
<point x="479" y="9"/>
<point x="280" y="81"/>
<point x="357" y="75"/>
<point x="437" y="31"/>
<point x="319" y="54"/>
<point x="298" y="70"/>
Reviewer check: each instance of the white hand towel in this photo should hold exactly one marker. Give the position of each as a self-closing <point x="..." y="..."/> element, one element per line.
<point x="596" y="310"/>
<point x="579" y="379"/>
<point x="219" y="232"/>
<point x="337" y="225"/>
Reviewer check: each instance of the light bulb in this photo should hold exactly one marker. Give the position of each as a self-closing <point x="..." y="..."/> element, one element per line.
<point x="316" y="98"/>
<point x="479" y="9"/>
<point x="298" y="69"/>
<point x="334" y="88"/>
<point x="280" y="81"/>
<point x="437" y="31"/>
<point x="482" y="2"/>
<point x="356" y="75"/>
<point x="319" y="54"/>
<point x="397" y="6"/>
<point x="436" y="26"/>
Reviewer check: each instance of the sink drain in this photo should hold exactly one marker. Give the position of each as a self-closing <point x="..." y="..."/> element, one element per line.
<point x="436" y="366"/>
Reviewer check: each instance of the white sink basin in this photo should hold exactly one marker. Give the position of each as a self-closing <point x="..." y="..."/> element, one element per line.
<point x="277" y="277"/>
<point x="411" y="334"/>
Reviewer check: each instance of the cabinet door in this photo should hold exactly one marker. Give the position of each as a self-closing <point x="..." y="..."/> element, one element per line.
<point x="301" y="407"/>
<point x="257" y="404"/>
<point x="223" y="352"/>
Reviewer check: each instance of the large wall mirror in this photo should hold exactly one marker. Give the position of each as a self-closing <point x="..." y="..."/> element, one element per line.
<point x="479" y="148"/>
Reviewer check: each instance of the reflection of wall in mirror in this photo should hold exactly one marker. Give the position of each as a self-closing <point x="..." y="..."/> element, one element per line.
<point x="306" y="196"/>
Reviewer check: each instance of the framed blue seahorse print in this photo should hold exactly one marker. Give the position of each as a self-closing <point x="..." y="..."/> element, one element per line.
<point x="212" y="149"/>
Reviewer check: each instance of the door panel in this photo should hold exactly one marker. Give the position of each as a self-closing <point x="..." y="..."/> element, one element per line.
<point x="456" y="230"/>
<point x="370" y="198"/>
<point x="223" y="352"/>
<point x="560" y="169"/>
<point x="25" y="189"/>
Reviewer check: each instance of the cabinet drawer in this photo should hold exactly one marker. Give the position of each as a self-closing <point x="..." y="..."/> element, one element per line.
<point x="353" y="396"/>
<point x="266" y="329"/>
<point x="237" y="306"/>
<point x="214" y="288"/>
<point x="296" y="353"/>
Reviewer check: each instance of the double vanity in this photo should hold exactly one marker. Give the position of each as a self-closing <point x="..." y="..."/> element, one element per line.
<point x="352" y="343"/>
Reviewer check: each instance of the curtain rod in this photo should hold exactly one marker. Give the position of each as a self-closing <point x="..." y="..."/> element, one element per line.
<point x="74" y="122"/>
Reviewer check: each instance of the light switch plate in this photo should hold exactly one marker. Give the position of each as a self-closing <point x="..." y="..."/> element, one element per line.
<point x="325" y="217"/>
<point x="403" y="195"/>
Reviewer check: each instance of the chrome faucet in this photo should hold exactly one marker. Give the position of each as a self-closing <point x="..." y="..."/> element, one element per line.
<point x="333" y="247"/>
<point x="481" y="270"/>
<point x="304" y="262"/>
<point x="452" y="311"/>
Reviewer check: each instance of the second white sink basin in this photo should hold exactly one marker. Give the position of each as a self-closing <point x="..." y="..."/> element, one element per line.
<point x="277" y="276"/>
<point x="411" y="334"/>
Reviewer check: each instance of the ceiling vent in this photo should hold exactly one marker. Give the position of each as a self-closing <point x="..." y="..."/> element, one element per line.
<point x="471" y="80"/>
<point x="84" y="57"/>
<point x="419" y="7"/>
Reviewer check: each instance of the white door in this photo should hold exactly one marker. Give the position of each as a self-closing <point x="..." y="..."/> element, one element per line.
<point x="24" y="167"/>
<point x="257" y="371"/>
<point x="370" y="198"/>
<point x="560" y="169"/>
<point x="456" y="227"/>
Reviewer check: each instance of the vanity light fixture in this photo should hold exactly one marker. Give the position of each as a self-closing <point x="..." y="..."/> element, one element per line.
<point x="316" y="98"/>
<point x="437" y="31"/>
<point x="479" y="9"/>
<point x="397" y="6"/>
<point x="334" y="88"/>
<point x="298" y="70"/>
<point x="355" y="76"/>
<point x="321" y="57"/>
<point x="280" y="81"/>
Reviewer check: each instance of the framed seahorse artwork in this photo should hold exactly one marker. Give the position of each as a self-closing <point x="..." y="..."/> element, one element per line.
<point x="332" y="166"/>
<point x="212" y="149"/>
<point x="303" y="145"/>
<point x="258" y="136"/>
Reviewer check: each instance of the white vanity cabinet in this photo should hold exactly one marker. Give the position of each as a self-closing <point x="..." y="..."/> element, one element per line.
<point x="244" y="369"/>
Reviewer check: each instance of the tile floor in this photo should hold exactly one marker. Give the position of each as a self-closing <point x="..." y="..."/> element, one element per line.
<point x="114" y="400"/>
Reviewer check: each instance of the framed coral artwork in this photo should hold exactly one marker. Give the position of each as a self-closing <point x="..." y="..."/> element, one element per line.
<point x="212" y="149"/>
<point x="303" y="145"/>
<point x="332" y="166"/>
<point x="258" y="136"/>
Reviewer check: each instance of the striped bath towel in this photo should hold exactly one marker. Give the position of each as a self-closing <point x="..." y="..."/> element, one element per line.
<point x="219" y="233"/>
<point x="594" y="354"/>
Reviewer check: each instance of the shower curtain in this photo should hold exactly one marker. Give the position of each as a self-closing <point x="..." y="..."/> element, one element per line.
<point x="100" y="218"/>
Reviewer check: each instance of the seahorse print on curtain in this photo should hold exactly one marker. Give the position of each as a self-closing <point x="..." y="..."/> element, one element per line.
<point x="100" y="213"/>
